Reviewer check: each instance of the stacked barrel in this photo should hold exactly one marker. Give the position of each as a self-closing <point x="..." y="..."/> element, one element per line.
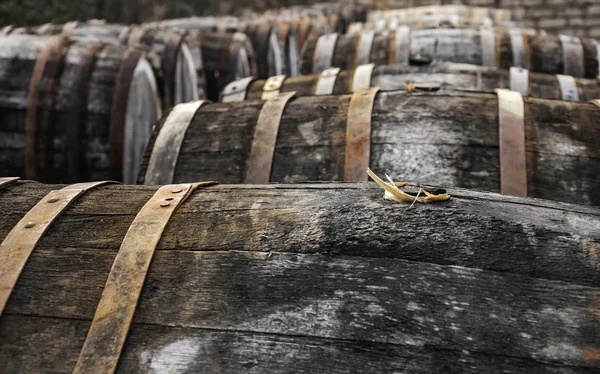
<point x="283" y="268"/>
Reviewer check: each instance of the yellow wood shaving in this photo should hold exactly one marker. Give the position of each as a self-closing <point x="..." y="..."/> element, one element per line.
<point x="392" y="192"/>
<point x="409" y="87"/>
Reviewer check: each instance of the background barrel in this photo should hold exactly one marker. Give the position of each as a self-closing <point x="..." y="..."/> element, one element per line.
<point x="74" y="111"/>
<point x="448" y="138"/>
<point x="315" y="278"/>
<point x="435" y="76"/>
<point x="491" y="47"/>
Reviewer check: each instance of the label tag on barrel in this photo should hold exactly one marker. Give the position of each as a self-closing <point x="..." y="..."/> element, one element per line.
<point x="272" y="86"/>
<point x="362" y="77"/>
<point x="572" y="53"/>
<point x="5" y="182"/>
<point x="519" y="80"/>
<point x="358" y="134"/>
<point x="326" y="81"/>
<point x="236" y="90"/>
<point x="568" y="87"/>
<point x="324" y="50"/>
<point x="513" y="165"/>
<point x="110" y="326"/>
<point x="20" y="242"/>
<point x="165" y="151"/>
<point x="260" y="160"/>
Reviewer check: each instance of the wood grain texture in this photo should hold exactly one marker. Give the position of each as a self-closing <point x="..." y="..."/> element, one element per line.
<point x="448" y="138"/>
<point x="318" y="278"/>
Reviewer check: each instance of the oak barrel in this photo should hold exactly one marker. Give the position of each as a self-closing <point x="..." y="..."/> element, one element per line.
<point x="309" y="278"/>
<point x="73" y="111"/>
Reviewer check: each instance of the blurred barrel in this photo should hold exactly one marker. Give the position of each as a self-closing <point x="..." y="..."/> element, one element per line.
<point x="502" y="48"/>
<point x="435" y="76"/>
<point x="73" y="111"/>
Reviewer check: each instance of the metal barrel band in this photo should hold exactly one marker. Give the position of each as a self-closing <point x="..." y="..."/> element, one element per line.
<point x="7" y="181"/>
<point x="119" y="110"/>
<point x="44" y="71"/>
<point x="76" y="117"/>
<point x="326" y="82"/>
<point x="572" y="55"/>
<point x="236" y="90"/>
<point x="20" y="242"/>
<point x="519" y="80"/>
<point x="513" y="163"/>
<point x="595" y="102"/>
<point x="262" y="149"/>
<point x="361" y="79"/>
<point x="568" y="87"/>
<point x="517" y="43"/>
<point x="358" y="134"/>
<point x="401" y="46"/>
<point x="363" y="48"/>
<point x="166" y="148"/>
<point x="272" y="86"/>
<point x="110" y="326"/>
<point x="487" y="38"/>
<point x="324" y="50"/>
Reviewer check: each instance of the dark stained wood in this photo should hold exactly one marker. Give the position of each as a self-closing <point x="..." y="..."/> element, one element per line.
<point x="444" y="74"/>
<point x="448" y="138"/>
<point x="317" y="277"/>
<point x="457" y="45"/>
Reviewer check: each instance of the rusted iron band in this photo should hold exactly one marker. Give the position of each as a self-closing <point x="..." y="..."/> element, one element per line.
<point x="236" y="90"/>
<point x="568" y="87"/>
<point x="487" y="38"/>
<point x="76" y="117"/>
<point x="110" y="326"/>
<point x="165" y="151"/>
<point x="402" y="46"/>
<point x="519" y="80"/>
<point x="572" y="54"/>
<point x="118" y="112"/>
<point x="5" y="182"/>
<point x="23" y="238"/>
<point x="361" y="79"/>
<point x="595" y="102"/>
<point x="326" y="82"/>
<point x="358" y="134"/>
<point x="324" y="50"/>
<point x="517" y="46"/>
<point x="44" y="71"/>
<point x="513" y="165"/>
<point x="262" y="150"/>
<point x="272" y="86"/>
<point x="363" y="49"/>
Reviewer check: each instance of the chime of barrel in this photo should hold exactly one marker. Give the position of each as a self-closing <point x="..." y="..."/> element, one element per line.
<point x="489" y="47"/>
<point x="74" y="111"/>
<point x="227" y="57"/>
<point x="450" y="138"/>
<point x="309" y="278"/>
<point x="442" y="15"/>
<point x="435" y="76"/>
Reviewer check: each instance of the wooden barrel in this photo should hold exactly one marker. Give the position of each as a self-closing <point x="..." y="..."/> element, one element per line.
<point x="445" y="137"/>
<point x="74" y="111"/>
<point x="308" y="278"/>
<point x="443" y="15"/>
<point x="432" y="77"/>
<point x="502" y="48"/>
<point x="227" y="57"/>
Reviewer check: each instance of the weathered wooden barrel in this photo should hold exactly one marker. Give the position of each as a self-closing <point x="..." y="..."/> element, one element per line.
<point x="175" y="63"/>
<point x="268" y="47"/>
<point x="227" y="57"/>
<point x="502" y="48"/>
<point x="443" y="15"/>
<point x="74" y="111"/>
<point x="309" y="278"/>
<point x="432" y="77"/>
<point x="449" y="138"/>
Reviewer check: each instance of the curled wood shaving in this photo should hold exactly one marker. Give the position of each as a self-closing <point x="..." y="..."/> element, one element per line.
<point x="410" y="87"/>
<point x="392" y="192"/>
